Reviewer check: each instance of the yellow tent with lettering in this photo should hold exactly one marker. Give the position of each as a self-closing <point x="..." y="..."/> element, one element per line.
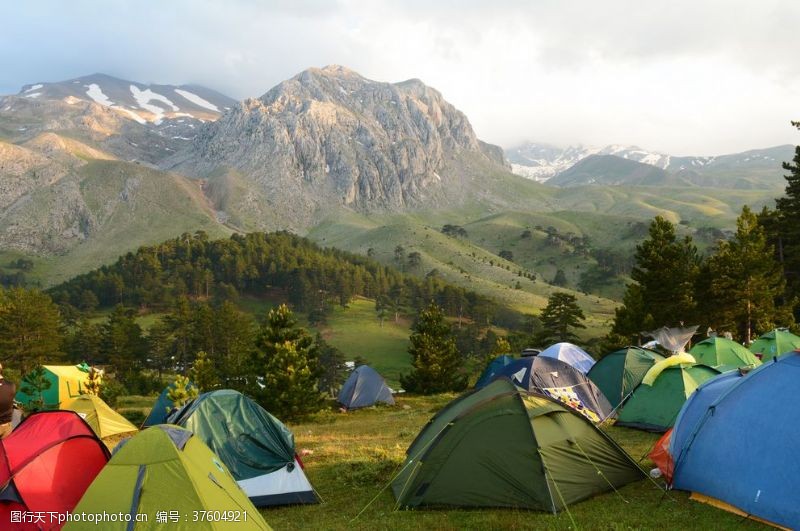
<point x="103" y="420"/>
<point x="66" y="382"/>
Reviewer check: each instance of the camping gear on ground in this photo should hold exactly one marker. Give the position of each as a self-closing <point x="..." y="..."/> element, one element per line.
<point x="672" y="339"/>
<point x="571" y="354"/>
<point x="655" y="403"/>
<point x="66" y="382"/>
<point x="255" y="446"/>
<point x="617" y="374"/>
<point x="493" y="369"/>
<point x="167" y="470"/>
<point x="774" y="343"/>
<point x="732" y="442"/>
<point x="46" y="465"/>
<point x="723" y="354"/>
<point x="561" y="381"/>
<point x="364" y="387"/>
<point x="163" y="407"/>
<point x="99" y="416"/>
<point x="500" y="446"/>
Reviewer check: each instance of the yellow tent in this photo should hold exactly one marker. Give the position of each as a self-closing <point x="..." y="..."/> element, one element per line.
<point x="103" y="420"/>
<point x="66" y="382"/>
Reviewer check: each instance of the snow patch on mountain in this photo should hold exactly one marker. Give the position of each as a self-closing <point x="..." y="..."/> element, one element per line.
<point x="96" y="93"/>
<point x="34" y="87"/>
<point x="197" y="100"/>
<point x="143" y="99"/>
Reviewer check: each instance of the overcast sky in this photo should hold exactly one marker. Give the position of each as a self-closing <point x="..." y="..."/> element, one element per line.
<point x="682" y="77"/>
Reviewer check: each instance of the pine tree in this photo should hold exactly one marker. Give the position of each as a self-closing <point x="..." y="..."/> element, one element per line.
<point x="746" y="282"/>
<point x="560" y="278"/>
<point x="559" y="317"/>
<point x="34" y="384"/>
<point x="437" y="365"/>
<point x="788" y="213"/>
<point x="332" y="367"/>
<point x="288" y="359"/>
<point x="181" y="391"/>
<point x="30" y="328"/>
<point x="235" y="339"/>
<point x="665" y="273"/>
<point x="94" y="382"/>
<point x="203" y="373"/>
<point x="631" y="318"/>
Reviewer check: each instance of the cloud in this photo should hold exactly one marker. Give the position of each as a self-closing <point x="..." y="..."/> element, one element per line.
<point x="683" y="77"/>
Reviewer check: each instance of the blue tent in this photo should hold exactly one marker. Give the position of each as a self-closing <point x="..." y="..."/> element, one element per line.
<point x="732" y="442"/>
<point x="162" y="407"/>
<point x="561" y="381"/>
<point x="491" y="370"/>
<point x="364" y="388"/>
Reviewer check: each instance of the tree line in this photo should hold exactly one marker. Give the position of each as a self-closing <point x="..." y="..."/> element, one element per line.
<point x="310" y="278"/>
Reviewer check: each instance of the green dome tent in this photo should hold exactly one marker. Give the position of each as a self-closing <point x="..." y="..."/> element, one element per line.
<point x="255" y="446"/>
<point x="162" y="470"/>
<point x="617" y="374"/>
<point x="723" y="354"/>
<point x="774" y="343"/>
<point x="500" y="446"/>
<point x="655" y="407"/>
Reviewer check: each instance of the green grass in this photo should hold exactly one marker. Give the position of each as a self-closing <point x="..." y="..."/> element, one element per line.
<point x="356" y="331"/>
<point x="355" y="454"/>
<point x="459" y="261"/>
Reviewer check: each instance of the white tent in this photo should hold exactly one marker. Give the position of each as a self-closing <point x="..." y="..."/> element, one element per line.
<point x="570" y="354"/>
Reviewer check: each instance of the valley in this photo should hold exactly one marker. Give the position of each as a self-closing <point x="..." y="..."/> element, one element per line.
<point x="95" y="167"/>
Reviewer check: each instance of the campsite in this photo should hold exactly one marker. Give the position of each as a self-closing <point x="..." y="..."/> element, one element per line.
<point x="399" y="265"/>
<point x="525" y="448"/>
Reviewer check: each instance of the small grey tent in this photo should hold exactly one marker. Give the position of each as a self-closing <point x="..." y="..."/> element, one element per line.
<point x="364" y="388"/>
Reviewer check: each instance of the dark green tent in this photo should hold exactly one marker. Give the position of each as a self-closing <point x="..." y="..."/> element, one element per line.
<point x="655" y="407"/>
<point x="617" y="374"/>
<point x="501" y="446"/>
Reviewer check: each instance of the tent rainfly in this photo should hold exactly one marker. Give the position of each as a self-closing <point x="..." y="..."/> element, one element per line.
<point x="46" y="465"/>
<point x="723" y="354"/>
<point x="731" y="443"/>
<point x="561" y="381"/>
<point x="166" y="470"/>
<point x="363" y="388"/>
<point x="774" y="343"/>
<point x="255" y="446"/>
<point x="99" y="416"/>
<point x="617" y="374"/>
<point x="571" y="354"/>
<point x="500" y="446"/>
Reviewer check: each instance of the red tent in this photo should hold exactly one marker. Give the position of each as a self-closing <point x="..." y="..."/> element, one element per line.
<point x="46" y="465"/>
<point x="662" y="458"/>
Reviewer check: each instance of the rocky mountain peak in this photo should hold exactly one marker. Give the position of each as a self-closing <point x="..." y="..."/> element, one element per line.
<point x="331" y="136"/>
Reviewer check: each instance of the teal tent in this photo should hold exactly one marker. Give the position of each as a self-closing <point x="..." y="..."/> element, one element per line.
<point x="617" y="374"/>
<point x="163" y="407"/>
<point x="255" y="446"/>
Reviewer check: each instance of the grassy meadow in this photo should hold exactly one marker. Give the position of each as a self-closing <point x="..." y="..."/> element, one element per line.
<point x="350" y="457"/>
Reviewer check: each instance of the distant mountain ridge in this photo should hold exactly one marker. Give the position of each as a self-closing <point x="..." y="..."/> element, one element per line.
<point x="140" y="102"/>
<point x="758" y="168"/>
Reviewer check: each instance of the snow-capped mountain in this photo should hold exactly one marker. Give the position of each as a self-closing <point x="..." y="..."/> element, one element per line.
<point x="541" y="162"/>
<point x="140" y="102"/>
